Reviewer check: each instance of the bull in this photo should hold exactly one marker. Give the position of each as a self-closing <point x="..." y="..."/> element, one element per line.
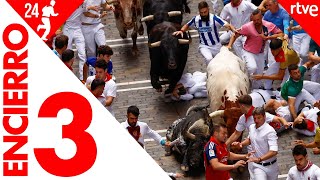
<point x="156" y="11"/>
<point x="227" y="80"/>
<point x="189" y="135"/>
<point x="168" y="55"/>
<point x="127" y="14"/>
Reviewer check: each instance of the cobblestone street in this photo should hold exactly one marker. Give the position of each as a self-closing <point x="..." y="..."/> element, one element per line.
<point x="134" y="88"/>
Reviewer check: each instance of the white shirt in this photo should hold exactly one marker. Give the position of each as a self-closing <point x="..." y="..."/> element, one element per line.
<point x="244" y="124"/>
<point x="312" y="116"/>
<point x="88" y="3"/>
<point x="238" y="15"/>
<point x="313" y="173"/>
<point x="145" y="130"/>
<point x="262" y="140"/>
<point x="110" y="89"/>
<point x="74" y="21"/>
<point x="208" y="31"/>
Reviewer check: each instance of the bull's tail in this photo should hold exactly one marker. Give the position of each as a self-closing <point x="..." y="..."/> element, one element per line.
<point x="196" y="108"/>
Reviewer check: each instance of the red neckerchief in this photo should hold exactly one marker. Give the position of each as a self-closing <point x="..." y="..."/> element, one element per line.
<point x="306" y="168"/>
<point x="310" y="125"/>
<point x="249" y="113"/>
<point x="235" y="5"/>
<point x="108" y="77"/>
<point x="135" y="132"/>
<point x="68" y="66"/>
<point x="280" y="57"/>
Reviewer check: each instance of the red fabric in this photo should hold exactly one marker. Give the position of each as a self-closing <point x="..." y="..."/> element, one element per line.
<point x="69" y="66"/>
<point x="310" y="125"/>
<point x="249" y="113"/>
<point x="222" y="154"/>
<point x="49" y="42"/>
<point x="280" y="57"/>
<point x="235" y="5"/>
<point x="135" y="132"/>
<point x="307" y="167"/>
<point x="108" y="77"/>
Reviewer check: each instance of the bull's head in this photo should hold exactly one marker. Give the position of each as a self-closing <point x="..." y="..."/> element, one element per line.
<point x="169" y="14"/>
<point x="129" y="9"/>
<point x="169" y="47"/>
<point x="195" y="153"/>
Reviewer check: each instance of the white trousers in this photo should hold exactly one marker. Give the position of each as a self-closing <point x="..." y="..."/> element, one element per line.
<point x="265" y="172"/>
<point x="274" y="69"/>
<point x="238" y="43"/>
<point x="313" y="88"/>
<point x="93" y="35"/>
<point x="315" y="73"/>
<point x="304" y="95"/>
<point x="301" y="46"/>
<point x="255" y="65"/>
<point x="75" y="36"/>
<point x="209" y="52"/>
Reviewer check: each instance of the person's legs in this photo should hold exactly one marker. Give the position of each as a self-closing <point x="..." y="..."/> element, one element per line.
<point x="273" y="69"/>
<point x="206" y="53"/>
<point x="90" y="44"/>
<point x="304" y="48"/>
<point x="70" y="33"/>
<point x="100" y="37"/>
<point x="225" y="37"/>
<point x="315" y="73"/>
<point x="303" y="96"/>
<point x="313" y="88"/>
<point x="80" y="45"/>
<point x="259" y="174"/>
<point x="238" y="46"/>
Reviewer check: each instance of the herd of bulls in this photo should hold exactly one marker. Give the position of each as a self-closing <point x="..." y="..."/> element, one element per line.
<point x="168" y="55"/>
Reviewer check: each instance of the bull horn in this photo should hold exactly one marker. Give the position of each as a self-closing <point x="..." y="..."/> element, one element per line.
<point x="147" y="18"/>
<point x="155" y="44"/>
<point x="174" y="13"/>
<point x="111" y="1"/>
<point x="216" y="113"/>
<point x="190" y="135"/>
<point x="183" y="41"/>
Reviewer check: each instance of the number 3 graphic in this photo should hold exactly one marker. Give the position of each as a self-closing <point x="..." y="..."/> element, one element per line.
<point x="86" y="153"/>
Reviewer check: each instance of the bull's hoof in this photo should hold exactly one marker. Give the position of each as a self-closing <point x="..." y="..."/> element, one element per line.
<point x="141" y="30"/>
<point x="184" y="168"/>
<point x="135" y="51"/>
<point x="123" y="35"/>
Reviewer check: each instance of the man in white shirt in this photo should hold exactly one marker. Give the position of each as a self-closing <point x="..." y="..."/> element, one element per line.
<point x="139" y="130"/>
<point x="72" y="29"/>
<point x="207" y="25"/>
<point x="304" y="169"/>
<point x="110" y="89"/>
<point x="246" y="119"/>
<point x="238" y="12"/>
<point x="92" y="27"/>
<point x="245" y="102"/>
<point x="263" y="140"/>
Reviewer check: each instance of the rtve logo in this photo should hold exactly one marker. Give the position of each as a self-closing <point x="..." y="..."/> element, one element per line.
<point x="304" y="9"/>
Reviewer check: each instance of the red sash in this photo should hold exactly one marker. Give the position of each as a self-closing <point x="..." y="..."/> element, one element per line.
<point x="235" y="5"/>
<point x="135" y="133"/>
<point x="280" y="57"/>
<point x="249" y="113"/>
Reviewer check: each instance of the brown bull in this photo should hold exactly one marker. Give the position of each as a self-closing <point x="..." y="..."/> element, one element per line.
<point x="227" y="80"/>
<point x="128" y="14"/>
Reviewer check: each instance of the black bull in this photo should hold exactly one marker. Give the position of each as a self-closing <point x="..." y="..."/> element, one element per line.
<point x="168" y="55"/>
<point x="189" y="135"/>
<point x="160" y="9"/>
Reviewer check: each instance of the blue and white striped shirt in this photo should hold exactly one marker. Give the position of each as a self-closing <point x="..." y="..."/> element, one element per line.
<point x="208" y="31"/>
